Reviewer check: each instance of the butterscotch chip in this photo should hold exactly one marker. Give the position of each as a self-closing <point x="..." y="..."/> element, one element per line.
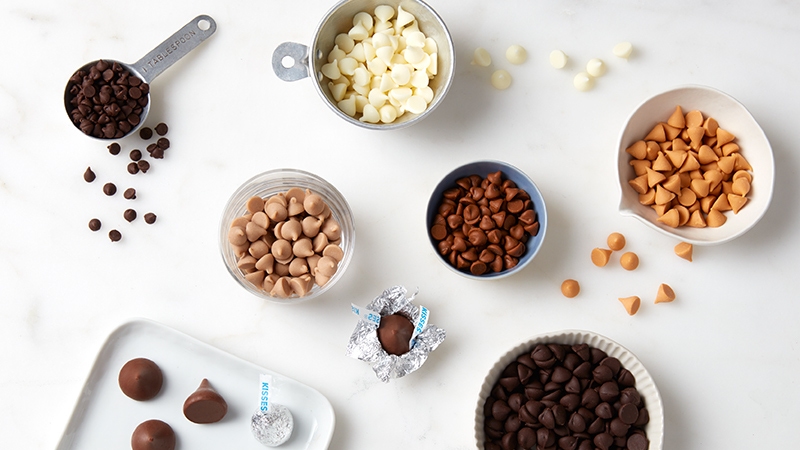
<point x="736" y="202"/>
<point x="656" y="134"/>
<point x="687" y="197"/>
<point x="729" y="148"/>
<point x="660" y="209"/>
<point x="631" y="304"/>
<point x="665" y="294"/>
<point x="694" y="119"/>
<point x="670" y="218"/>
<point x="640" y="166"/>
<point x="706" y="155"/>
<point x="741" y="163"/>
<point x="690" y="164"/>
<point x="639" y="184"/>
<point x="683" y="213"/>
<point x="696" y="137"/>
<point x="662" y="164"/>
<point x="700" y="186"/>
<point x="629" y="261"/>
<point x="600" y="256"/>
<point x="638" y="150"/>
<point x="706" y="203"/>
<point x="673" y="183"/>
<point x="711" y="126"/>
<point x="653" y="177"/>
<point x="677" y="119"/>
<point x="663" y="196"/>
<point x="714" y="177"/>
<point x="723" y="137"/>
<point x="671" y="132"/>
<point x="648" y="198"/>
<point x="570" y="288"/>
<point x="653" y="149"/>
<point x="684" y="250"/>
<point x="726" y="164"/>
<point x="715" y="218"/>
<point x="742" y="174"/>
<point x="696" y="220"/>
<point x="721" y="204"/>
<point x="740" y="186"/>
<point x="679" y="145"/>
<point x="616" y="241"/>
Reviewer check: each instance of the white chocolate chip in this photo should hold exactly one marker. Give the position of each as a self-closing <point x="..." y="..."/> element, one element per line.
<point x="365" y="19"/>
<point x="558" y="59"/>
<point x="384" y="13"/>
<point x="331" y="70"/>
<point x="516" y="54"/>
<point x="370" y="114"/>
<point x="623" y="50"/>
<point x="583" y="81"/>
<point x="414" y="39"/>
<point x="347" y="66"/>
<point x="358" y="32"/>
<point x="388" y="113"/>
<point x="596" y="67"/>
<point x="403" y="17"/>
<point x="481" y="57"/>
<point x="348" y="106"/>
<point x="501" y="79"/>
<point x="431" y="46"/>
<point x="416" y="104"/>
<point x="344" y="42"/>
<point x="425" y="92"/>
<point x="336" y="54"/>
<point x="401" y="74"/>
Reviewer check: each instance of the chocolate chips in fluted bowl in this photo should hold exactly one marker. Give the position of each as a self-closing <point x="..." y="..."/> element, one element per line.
<point x="565" y="397"/>
<point x="483" y="224"/>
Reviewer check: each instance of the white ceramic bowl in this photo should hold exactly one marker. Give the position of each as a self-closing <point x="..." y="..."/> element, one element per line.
<point x="644" y="382"/>
<point x="270" y="183"/>
<point x="732" y="116"/>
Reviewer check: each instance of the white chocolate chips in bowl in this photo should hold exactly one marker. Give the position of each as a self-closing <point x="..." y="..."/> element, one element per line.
<point x="379" y="64"/>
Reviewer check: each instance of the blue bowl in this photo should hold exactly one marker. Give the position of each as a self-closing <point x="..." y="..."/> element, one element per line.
<point x="482" y="169"/>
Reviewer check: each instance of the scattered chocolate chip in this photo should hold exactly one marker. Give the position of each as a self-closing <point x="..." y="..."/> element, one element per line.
<point x="136" y="155"/>
<point x="162" y="129"/>
<point x="158" y="153"/>
<point x="89" y="175"/>
<point x="95" y="224"/>
<point x="163" y="143"/>
<point x="109" y="189"/>
<point x="150" y="218"/>
<point x="129" y="215"/>
<point x="114" y="235"/>
<point x="144" y="166"/>
<point x="133" y="168"/>
<point x="130" y="193"/>
<point x="145" y="133"/>
<point x="114" y="148"/>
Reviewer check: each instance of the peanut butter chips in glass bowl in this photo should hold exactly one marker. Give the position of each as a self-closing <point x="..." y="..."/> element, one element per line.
<point x="287" y="235"/>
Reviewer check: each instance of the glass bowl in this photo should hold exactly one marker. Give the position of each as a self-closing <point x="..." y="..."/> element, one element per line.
<point x="268" y="184"/>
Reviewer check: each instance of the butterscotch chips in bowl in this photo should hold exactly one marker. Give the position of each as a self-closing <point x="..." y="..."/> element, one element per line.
<point x="287" y="235"/>
<point x="695" y="165"/>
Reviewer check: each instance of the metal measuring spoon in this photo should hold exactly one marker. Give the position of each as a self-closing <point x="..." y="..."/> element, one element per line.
<point x="109" y="99"/>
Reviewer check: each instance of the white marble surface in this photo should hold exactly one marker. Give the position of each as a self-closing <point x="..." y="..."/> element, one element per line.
<point x="724" y="355"/>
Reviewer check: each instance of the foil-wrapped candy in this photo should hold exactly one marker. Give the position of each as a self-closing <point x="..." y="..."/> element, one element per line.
<point x="364" y="343"/>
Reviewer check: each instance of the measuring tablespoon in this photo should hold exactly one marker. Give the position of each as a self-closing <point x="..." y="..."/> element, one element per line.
<point x="109" y="99"/>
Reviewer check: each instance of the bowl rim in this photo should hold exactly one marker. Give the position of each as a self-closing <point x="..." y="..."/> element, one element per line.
<point x="541" y="215"/>
<point x="768" y="172"/>
<point x="343" y="264"/>
<point x="644" y="381"/>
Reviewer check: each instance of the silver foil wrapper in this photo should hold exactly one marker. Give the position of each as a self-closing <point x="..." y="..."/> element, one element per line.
<point x="274" y="427"/>
<point x="364" y="343"/>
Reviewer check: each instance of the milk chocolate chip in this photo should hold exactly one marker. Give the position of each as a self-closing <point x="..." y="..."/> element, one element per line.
<point x="153" y="435"/>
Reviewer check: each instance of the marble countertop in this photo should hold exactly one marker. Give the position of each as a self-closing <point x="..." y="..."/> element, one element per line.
<point x="724" y="355"/>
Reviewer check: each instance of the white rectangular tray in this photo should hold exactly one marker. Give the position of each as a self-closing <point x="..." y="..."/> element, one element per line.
<point x="105" y="418"/>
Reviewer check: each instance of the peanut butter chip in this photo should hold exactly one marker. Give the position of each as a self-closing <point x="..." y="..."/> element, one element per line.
<point x="600" y="256"/>
<point x="684" y="250"/>
<point x="665" y="294"/>
<point x="570" y="288"/>
<point x="631" y="304"/>
<point x="629" y="261"/>
<point x="313" y="204"/>
<point x="255" y="204"/>
<point x="237" y="236"/>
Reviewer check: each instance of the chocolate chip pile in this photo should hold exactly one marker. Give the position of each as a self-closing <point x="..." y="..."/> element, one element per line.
<point x="137" y="165"/>
<point x="483" y="224"/>
<point x="107" y="100"/>
<point x="565" y="397"/>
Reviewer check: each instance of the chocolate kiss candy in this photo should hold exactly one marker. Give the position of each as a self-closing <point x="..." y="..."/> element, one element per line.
<point x="394" y="334"/>
<point x="205" y="405"/>
<point x="153" y="435"/>
<point x="140" y="379"/>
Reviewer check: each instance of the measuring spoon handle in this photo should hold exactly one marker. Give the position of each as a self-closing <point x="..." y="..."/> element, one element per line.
<point x="175" y="47"/>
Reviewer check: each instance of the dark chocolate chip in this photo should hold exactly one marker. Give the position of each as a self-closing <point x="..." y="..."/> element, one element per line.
<point x="602" y="374"/>
<point x="114" y="148"/>
<point x="145" y="133"/>
<point x="129" y="215"/>
<point x="609" y="391"/>
<point x="144" y="166"/>
<point x="628" y="413"/>
<point x="114" y="235"/>
<point x="95" y="224"/>
<point x="109" y="189"/>
<point x="637" y="442"/>
<point x="526" y="437"/>
<point x="133" y="168"/>
<point x="603" y="441"/>
<point x="162" y="129"/>
<point x="89" y="176"/>
<point x="129" y="193"/>
<point x="150" y="218"/>
<point x="618" y="428"/>
<point x="136" y="154"/>
<point x="162" y="143"/>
